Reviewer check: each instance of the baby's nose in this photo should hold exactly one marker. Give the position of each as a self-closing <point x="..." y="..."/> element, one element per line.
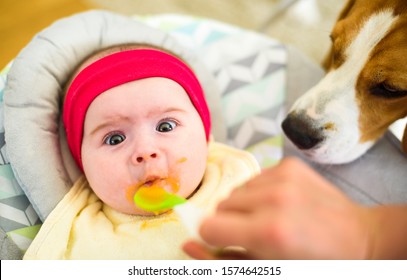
<point x="141" y="158"/>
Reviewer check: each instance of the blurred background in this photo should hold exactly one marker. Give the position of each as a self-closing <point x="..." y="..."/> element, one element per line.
<point x="305" y="24"/>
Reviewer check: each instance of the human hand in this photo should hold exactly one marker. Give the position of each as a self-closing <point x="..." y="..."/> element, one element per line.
<point x="287" y="212"/>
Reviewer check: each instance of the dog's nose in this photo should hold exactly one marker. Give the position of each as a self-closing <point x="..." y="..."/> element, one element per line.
<point x="300" y="130"/>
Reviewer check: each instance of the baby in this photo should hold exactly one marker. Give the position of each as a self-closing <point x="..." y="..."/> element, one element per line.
<point x="136" y="116"/>
<point x="142" y="130"/>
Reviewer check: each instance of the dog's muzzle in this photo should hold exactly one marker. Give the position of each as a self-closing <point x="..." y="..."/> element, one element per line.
<point x="302" y="131"/>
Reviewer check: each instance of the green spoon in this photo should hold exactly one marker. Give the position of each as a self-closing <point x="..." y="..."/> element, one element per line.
<point x="156" y="199"/>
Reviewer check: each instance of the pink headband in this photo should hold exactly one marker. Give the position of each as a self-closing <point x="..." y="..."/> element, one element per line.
<point x="119" y="68"/>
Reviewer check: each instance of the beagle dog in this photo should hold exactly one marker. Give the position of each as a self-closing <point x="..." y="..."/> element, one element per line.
<point x="364" y="90"/>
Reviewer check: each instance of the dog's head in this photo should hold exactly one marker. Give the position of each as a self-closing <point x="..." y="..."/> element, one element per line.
<point x="364" y="90"/>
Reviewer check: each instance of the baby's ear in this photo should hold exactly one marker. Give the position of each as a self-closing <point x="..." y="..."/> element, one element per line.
<point x="404" y="140"/>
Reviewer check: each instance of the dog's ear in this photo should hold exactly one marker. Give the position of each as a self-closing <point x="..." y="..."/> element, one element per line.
<point x="346" y="9"/>
<point x="326" y="63"/>
<point x="404" y="140"/>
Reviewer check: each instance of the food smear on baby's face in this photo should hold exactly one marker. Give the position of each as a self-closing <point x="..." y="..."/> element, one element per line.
<point x="157" y="193"/>
<point x="158" y="196"/>
<point x="182" y="160"/>
<point x="149" y="196"/>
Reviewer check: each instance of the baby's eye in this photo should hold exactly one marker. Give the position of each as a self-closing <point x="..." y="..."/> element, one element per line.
<point x="166" y="126"/>
<point x="114" y="139"/>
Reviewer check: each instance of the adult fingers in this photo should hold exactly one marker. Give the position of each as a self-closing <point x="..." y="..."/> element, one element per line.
<point x="201" y="252"/>
<point x="226" y="229"/>
<point x="198" y="251"/>
<point x="241" y="200"/>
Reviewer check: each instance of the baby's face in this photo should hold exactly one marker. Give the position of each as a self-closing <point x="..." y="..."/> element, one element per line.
<point x="145" y="132"/>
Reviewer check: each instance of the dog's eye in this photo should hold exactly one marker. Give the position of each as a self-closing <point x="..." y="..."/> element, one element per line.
<point x="387" y="91"/>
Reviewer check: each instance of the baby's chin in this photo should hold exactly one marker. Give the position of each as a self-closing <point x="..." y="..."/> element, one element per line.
<point x="140" y="212"/>
<point x="135" y="211"/>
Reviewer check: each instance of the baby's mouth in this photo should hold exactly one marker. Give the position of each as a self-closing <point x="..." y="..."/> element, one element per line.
<point x="168" y="184"/>
<point x="148" y="183"/>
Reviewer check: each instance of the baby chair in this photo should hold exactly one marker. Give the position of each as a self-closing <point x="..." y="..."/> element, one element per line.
<point x="249" y="80"/>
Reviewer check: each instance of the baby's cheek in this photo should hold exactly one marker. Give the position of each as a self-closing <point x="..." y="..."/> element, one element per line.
<point x="192" y="176"/>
